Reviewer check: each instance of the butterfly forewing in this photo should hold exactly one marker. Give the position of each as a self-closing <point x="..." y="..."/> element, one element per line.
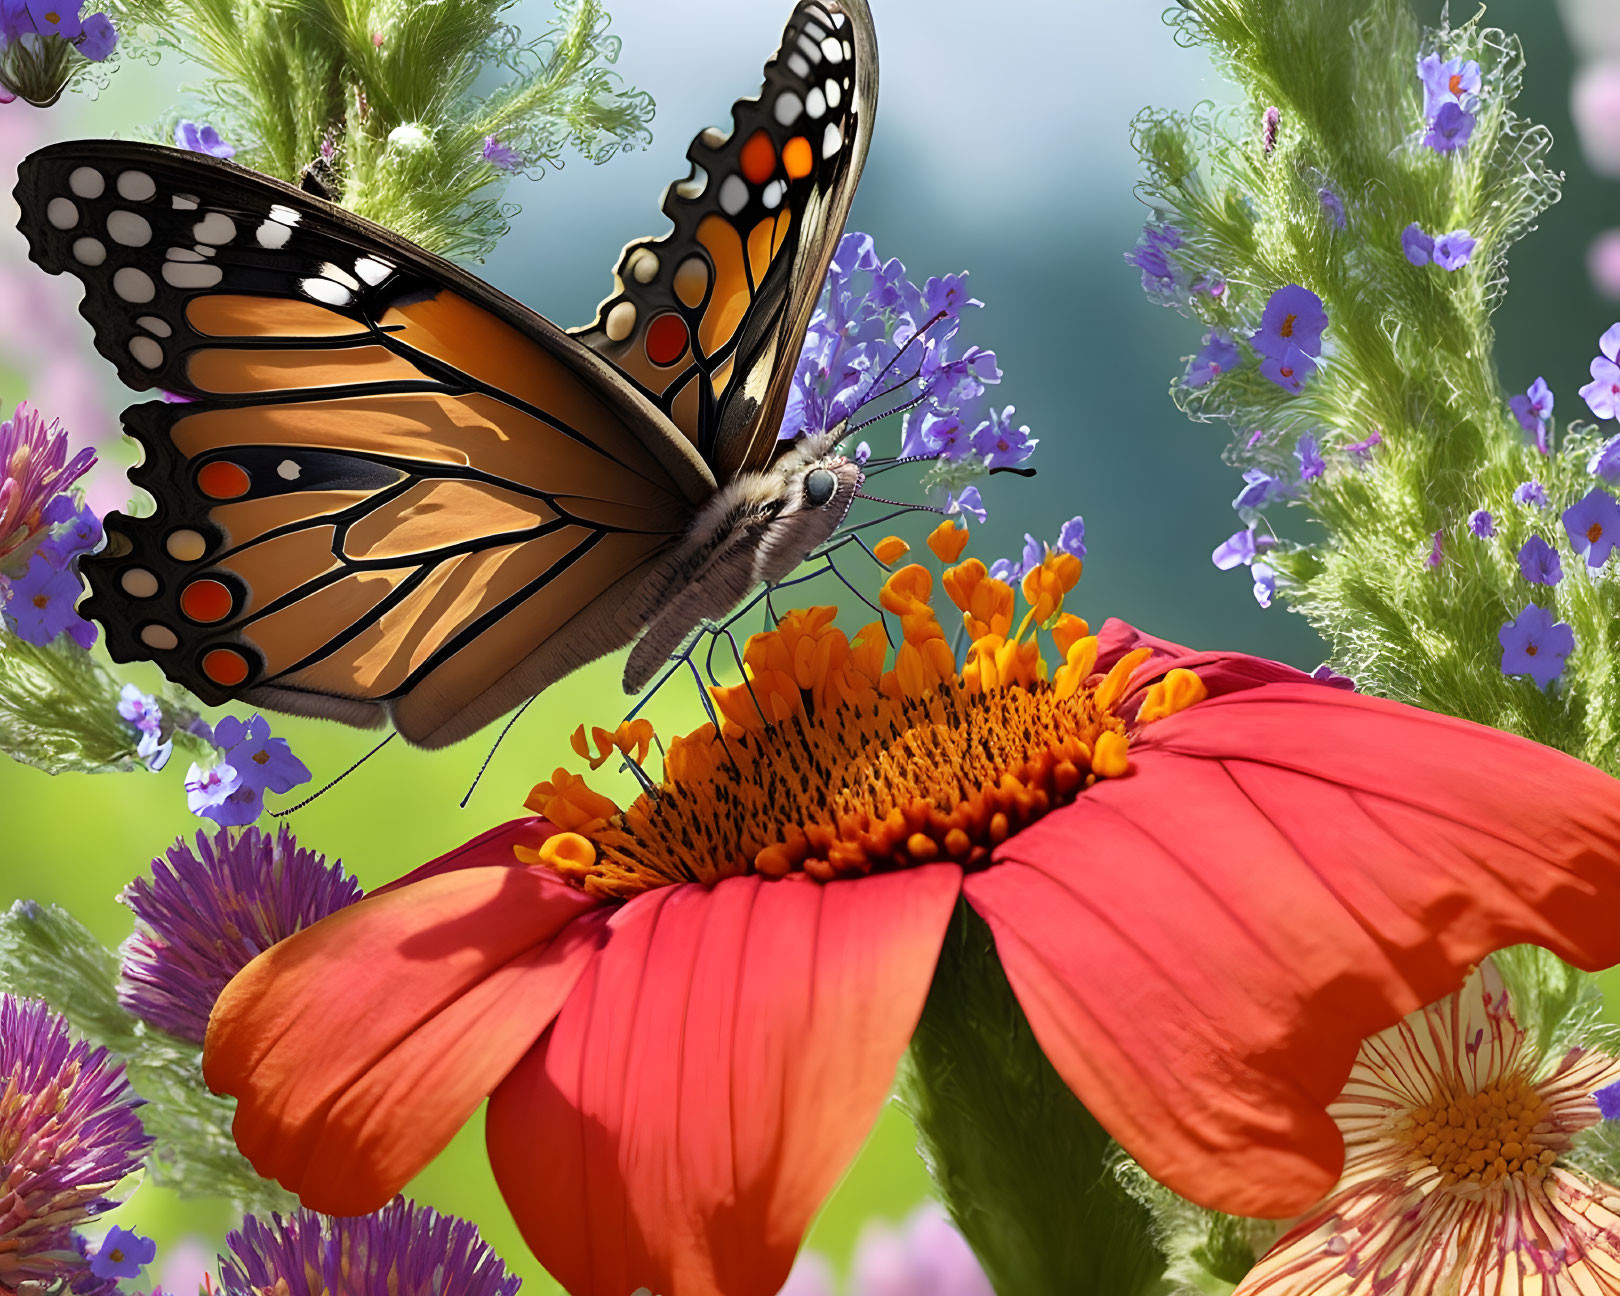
<point x="385" y="483"/>
<point x="708" y="320"/>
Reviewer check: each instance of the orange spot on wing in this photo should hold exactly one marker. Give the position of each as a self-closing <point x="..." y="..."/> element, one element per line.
<point x="729" y="300"/>
<point x="666" y="339"/>
<point x="221" y="480"/>
<point x="758" y="158"/>
<point x="226" y="667"/>
<point x="206" y="601"/>
<point x="797" y="158"/>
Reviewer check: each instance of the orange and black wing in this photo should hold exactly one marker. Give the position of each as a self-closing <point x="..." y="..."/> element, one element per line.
<point x="383" y="487"/>
<point x="707" y="321"/>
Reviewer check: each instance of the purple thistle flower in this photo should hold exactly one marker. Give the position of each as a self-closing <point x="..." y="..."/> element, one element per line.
<point x="199" y="137"/>
<point x="501" y="156"/>
<point x="1293" y="320"/>
<point x="1288" y="371"/>
<point x="925" y="1256"/>
<point x="1533" y="410"/>
<point x="1265" y="583"/>
<point x="1482" y="524"/>
<point x="1602" y="394"/>
<point x="68" y="1133"/>
<point x="1268" y="130"/>
<point x="1452" y="128"/>
<point x="1309" y="454"/>
<point x="1436" y="551"/>
<point x="1593" y="525"/>
<point x="34" y="470"/>
<point x="1219" y="355"/>
<point x="1454" y="250"/>
<point x="122" y="1254"/>
<point x="1417" y="245"/>
<point x="40" y="605"/>
<point x="1534" y="644"/>
<point x="1446" y="82"/>
<point x="203" y="915"/>
<point x="966" y="504"/>
<point x="402" y="1250"/>
<point x="1332" y="206"/>
<point x="1539" y="562"/>
<point x="1531" y="494"/>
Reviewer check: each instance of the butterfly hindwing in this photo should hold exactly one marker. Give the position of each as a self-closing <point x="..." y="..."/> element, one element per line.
<point x="385" y="485"/>
<point x="708" y="320"/>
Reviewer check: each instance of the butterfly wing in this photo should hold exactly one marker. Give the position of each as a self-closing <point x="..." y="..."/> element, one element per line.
<point x="388" y="488"/>
<point x="708" y="320"/>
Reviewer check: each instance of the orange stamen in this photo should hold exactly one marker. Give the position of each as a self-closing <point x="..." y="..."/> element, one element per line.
<point x="1177" y="691"/>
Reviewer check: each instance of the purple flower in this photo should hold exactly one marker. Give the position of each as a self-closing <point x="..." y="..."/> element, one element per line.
<point x="1002" y="444"/>
<point x="1534" y="644"/>
<point x="1072" y="537"/>
<point x="1289" y="371"/>
<point x="1268" y="130"/>
<point x="1150" y="257"/>
<point x="1531" y="494"/>
<point x="1454" y="250"/>
<point x="500" y="156"/>
<point x="1260" y="489"/>
<point x="34" y="470"/>
<point x="1417" y="245"/>
<point x="1608" y="1101"/>
<point x="1220" y="355"/>
<point x="1452" y="128"/>
<point x="1593" y="525"/>
<point x="1309" y="454"/>
<point x="965" y="504"/>
<point x="1293" y="320"/>
<point x="199" y="137"/>
<point x="1605" y="461"/>
<point x="75" y="530"/>
<point x="1325" y="674"/>
<point x="925" y="1256"/>
<point x="1602" y="394"/>
<point x="142" y="711"/>
<point x="1240" y="549"/>
<point x="48" y="18"/>
<point x="1265" y="583"/>
<point x="40" y="605"/>
<point x="207" y="790"/>
<point x="97" y="38"/>
<point x="69" y="1130"/>
<point x="1448" y="82"/>
<point x="402" y="1250"/>
<point x="1436" y="551"/>
<point x="122" y="1254"/>
<point x="1332" y="206"/>
<point x="1482" y="524"/>
<point x="204" y="915"/>
<point x="1362" y="450"/>
<point x="1539" y="562"/>
<point x="1533" y="410"/>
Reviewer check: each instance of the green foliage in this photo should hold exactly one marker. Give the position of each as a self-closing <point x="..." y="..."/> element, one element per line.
<point x="1408" y="352"/>
<point x="59" y="710"/>
<point x="1024" y="1169"/>
<point x="387" y="103"/>
<point x="46" y="953"/>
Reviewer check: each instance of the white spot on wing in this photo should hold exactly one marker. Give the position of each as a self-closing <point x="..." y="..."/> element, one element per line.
<point x="812" y="51"/>
<point x="160" y="637"/>
<point x="832" y="141"/>
<point x="152" y="324"/>
<point x="834" y="94"/>
<point x="216" y="227"/>
<point x="372" y="270"/>
<point x="136" y="186"/>
<point x="184" y="202"/>
<point x="128" y="228"/>
<point x="181" y="275"/>
<point x="273" y="235"/>
<point x="183" y="254"/>
<point x="283" y="214"/>
<point x="788" y="107"/>
<point x="146" y="352"/>
<point x="733" y="195"/>
<point x="694" y="184"/>
<point x="87" y="182"/>
<point x="287" y="470"/>
<point x="774" y="193"/>
<point x="815" y="103"/>
<point x="134" y="285"/>
<point x="797" y="63"/>
<point x="324" y="290"/>
<point x="330" y="271"/>
<point x="62" y="213"/>
<point x="620" y="321"/>
<point x="833" y="50"/>
<point x="139" y="583"/>
<point x="89" y="251"/>
<point x="644" y="266"/>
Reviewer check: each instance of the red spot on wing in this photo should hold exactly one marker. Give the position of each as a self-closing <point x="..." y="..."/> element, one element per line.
<point x="758" y="158"/>
<point x="666" y="339"/>
<point x="221" y="480"/>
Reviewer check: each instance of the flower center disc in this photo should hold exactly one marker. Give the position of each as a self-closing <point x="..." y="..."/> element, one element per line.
<point x="1502" y="1131"/>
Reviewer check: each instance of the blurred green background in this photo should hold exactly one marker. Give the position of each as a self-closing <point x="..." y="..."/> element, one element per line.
<point x="1002" y="148"/>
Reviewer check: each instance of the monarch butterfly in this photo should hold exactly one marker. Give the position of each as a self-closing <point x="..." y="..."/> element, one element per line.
<point x="390" y="492"/>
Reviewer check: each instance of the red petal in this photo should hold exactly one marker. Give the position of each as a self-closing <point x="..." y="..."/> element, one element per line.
<point x="712" y="1076"/>
<point x="359" y="1046"/>
<point x="1200" y="946"/>
<point x="492" y="849"/>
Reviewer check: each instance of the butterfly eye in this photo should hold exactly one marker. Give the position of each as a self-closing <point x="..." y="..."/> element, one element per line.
<point x="819" y="486"/>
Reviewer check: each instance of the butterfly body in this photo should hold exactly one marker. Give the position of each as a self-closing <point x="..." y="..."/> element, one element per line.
<point x="387" y="491"/>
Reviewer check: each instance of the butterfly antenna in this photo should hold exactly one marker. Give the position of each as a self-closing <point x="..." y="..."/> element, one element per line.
<point x="282" y="814"/>
<point x="901" y="504"/>
<point x="895" y="359"/>
<point x="884" y="465"/>
<point x="506" y="729"/>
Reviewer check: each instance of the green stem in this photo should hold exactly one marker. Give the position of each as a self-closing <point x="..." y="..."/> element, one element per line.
<point x="1024" y="1169"/>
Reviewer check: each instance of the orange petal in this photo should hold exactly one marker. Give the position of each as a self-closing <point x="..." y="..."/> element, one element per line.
<point x="711" y="1077"/>
<point x="948" y="539"/>
<point x="359" y="1046"/>
<point x="1202" y="945"/>
<point x="890" y="550"/>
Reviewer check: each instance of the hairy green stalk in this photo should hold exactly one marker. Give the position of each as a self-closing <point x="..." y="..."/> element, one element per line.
<point x="1026" y="1172"/>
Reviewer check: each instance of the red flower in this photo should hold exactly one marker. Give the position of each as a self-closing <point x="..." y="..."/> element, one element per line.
<point x="685" y="1047"/>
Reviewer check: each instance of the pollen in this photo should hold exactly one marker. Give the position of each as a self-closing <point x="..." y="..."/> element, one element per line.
<point x="1505" y="1130"/>
<point x="838" y="757"/>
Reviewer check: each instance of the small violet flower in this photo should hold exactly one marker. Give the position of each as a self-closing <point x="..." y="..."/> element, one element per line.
<point x="39" y="605"/>
<point x="1294" y="319"/>
<point x="1449" y="81"/>
<point x="199" y="137"/>
<point x="142" y="711"/>
<point x="1260" y="489"/>
<point x="1268" y="129"/>
<point x="1531" y="494"/>
<point x="500" y="155"/>
<point x="1361" y="451"/>
<point x="1534" y="644"/>
<point x="1417" y="245"/>
<point x="1452" y="128"/>
<point x="1454" y="250"/>
<point x="1265" y="584"/>
<point x="966" y="504"/>
<point x="1605" y="461"/>
<point x="75" y="530"/>
<point x="1602" y="394"/>
<point x="259" y="764"/>
<point x="1539" y="562"/>
<point x="1482" y="524"/>
<point x="1436" y="551"/>
<point x="1288" y="371"/>
<point x="1309" y="454"/>
<point x="1593" y="526"/>
<point x="1534" y="409"/>
<point x="207" y="790"/>
<point x="1332" y="206"/>
<point x="1220" y="355"/>
<point x="1241" y="548"/>
<point x="122" y="1254"/>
